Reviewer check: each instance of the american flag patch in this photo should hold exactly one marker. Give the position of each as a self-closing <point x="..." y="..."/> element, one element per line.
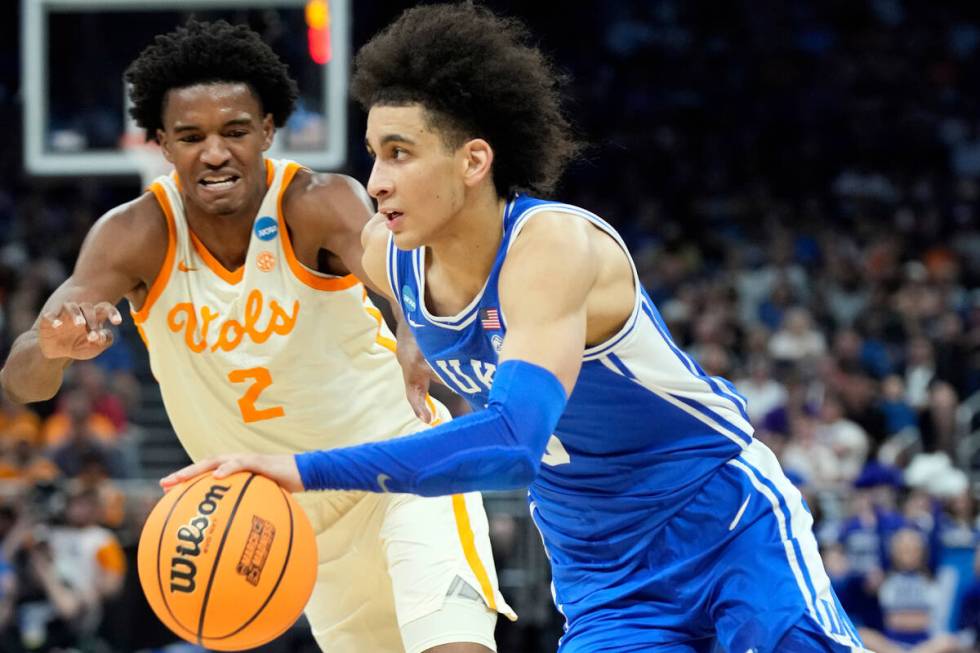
<point x="490" y="319"/>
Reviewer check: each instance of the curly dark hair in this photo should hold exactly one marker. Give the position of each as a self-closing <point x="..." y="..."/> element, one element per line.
<point x="205" y="52"/>
<point x="477" y="76"/>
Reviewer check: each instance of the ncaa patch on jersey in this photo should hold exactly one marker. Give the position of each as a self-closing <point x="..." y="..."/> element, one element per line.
<point x="266" y="228"/>
<point x="496" y="342"/>
<point x="408" y="299"/>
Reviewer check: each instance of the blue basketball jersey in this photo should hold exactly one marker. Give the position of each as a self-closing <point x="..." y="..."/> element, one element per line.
<point x="644" y="427"/>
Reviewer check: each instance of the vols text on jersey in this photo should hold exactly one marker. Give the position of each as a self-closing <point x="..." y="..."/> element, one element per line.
<point x="196" y="323"/>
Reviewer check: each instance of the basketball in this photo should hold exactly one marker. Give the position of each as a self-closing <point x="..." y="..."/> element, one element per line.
<point x="228" y="563"/>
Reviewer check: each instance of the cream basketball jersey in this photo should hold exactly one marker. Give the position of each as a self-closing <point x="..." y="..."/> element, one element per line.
<point x="272" y="357"/>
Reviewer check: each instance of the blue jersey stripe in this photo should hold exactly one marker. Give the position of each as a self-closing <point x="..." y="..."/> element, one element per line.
<point x="789" y="530"/>
<point x="621" y="366"/>
<point x="692" y="365"/>
<point x="707" y="412"/>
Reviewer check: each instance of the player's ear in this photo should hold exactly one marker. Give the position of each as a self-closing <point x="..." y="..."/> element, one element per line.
<point x="268" y="131"/>
<point x="164" y="145"/>
<point x="477" y="159"/>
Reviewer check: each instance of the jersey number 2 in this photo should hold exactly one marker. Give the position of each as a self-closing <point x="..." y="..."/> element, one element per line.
<point x="261" y="379"/>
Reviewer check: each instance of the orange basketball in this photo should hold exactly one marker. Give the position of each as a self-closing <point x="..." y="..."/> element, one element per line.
<point x="228" y="563"/>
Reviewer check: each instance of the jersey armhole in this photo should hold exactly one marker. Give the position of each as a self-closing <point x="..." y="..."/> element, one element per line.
<point x="305" y="275"/>
<point x="163" y="276"/>
<point x="595" y="221"/>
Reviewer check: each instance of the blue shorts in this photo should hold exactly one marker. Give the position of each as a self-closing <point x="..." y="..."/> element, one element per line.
<point x="736" y="569"/>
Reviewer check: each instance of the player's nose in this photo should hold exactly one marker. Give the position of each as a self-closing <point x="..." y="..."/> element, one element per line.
<point x="215" y="153"/>
<point x="379" y="183"/>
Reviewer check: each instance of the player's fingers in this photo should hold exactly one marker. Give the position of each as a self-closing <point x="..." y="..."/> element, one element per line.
<point x="416" y="397"/>
<point x="106" y="311"/>
<point x="190" y="471"/>
<point x="88" y="312"/>
<point x="73" y="313"/>
<point x="100" y="337"/>
<point x="51" y="319"/>
<point x="230" y="467"/>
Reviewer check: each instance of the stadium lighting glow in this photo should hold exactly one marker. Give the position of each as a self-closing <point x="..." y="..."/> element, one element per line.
<point x="318" y="32"/>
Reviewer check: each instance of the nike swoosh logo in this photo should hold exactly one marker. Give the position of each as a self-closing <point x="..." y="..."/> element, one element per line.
<point x="183" y="267"/>
<point x="415" y="324"/>
<point x="382" y="482"/>
<point x="741" y="511"/>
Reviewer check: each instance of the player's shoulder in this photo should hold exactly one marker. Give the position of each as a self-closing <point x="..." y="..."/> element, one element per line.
<point x="553" y="243"/>
<point x="133" y="234"/>
<point x="556" y="229"/>
<point x="142" y="222"/>
<point x="319" y="192"/>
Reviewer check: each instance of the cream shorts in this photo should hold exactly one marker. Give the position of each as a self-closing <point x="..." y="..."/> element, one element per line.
<point x="389" y="570"/>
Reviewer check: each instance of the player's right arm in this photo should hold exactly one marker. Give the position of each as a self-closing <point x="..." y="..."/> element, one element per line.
<point x="121" y="256"/>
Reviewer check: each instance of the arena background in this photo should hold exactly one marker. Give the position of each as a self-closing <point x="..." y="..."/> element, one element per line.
<point x="798" y="181"/>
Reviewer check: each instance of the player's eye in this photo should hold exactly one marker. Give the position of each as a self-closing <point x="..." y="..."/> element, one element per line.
<point x="398" y="153"/>
<point x="238" y="133"/>
<point x="192" y="138"/>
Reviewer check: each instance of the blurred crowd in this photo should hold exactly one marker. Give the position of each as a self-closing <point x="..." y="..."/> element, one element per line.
<point x="798" y="182"/>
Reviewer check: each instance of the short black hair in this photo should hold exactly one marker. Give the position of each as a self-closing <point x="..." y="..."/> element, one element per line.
<point x="477" y="76"/>
<point x="202" y="53"/>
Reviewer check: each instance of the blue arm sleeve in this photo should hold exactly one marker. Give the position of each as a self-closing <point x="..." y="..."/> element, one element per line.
<point x="497" y="448"/>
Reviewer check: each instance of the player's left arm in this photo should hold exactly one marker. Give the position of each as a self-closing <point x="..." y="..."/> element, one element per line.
<point x="342" y="208"/>
<point x="543" y="286"/>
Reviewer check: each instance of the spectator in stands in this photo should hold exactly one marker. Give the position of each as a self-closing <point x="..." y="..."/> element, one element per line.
<point x="809" y="456"/>
<point x="797" y="339"/>
<point x="857" y="591"/>
<point x="761" y="391"/>
<point x="87" y="548"/>
<point x="21" y="460"/>
<point x="18" y="422"/>
<point x="75" y="412"/>
<point x="81" y="446"/>
<point x="937" y="419"/>
<point x="920" y="369"/>
<point x="873" y="518"/>
<point x="910" y="602"/>
<point x="92" y="379"/>
<point x="969" y="614"/>
<point x="847" y="440"/>
<point x="899" y="415"/>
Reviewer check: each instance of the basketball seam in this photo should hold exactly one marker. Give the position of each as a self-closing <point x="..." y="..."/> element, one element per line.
<point x="163" y="530"/>
<point x="217" y="559"/>
<point x="282" y="572"/>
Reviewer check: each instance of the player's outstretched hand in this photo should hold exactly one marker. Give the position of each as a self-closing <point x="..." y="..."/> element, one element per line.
<point x="77" y="330"/>
<point x="281" y="468"/>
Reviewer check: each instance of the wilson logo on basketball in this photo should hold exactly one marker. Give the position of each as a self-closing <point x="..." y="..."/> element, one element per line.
<point x="196" y="323"/>
<point x="257" y="548"/>
<point x="183" y="571"/>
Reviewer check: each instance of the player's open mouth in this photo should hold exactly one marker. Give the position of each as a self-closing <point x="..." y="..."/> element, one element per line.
<point x="393" y="218"/>
<point x="219" y="182"/>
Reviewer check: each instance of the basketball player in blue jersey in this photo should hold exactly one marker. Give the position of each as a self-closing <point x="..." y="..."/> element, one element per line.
<point x="668" y="527"/>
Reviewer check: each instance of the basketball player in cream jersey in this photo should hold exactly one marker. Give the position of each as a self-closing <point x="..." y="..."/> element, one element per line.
<point x="242" y="274"/>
